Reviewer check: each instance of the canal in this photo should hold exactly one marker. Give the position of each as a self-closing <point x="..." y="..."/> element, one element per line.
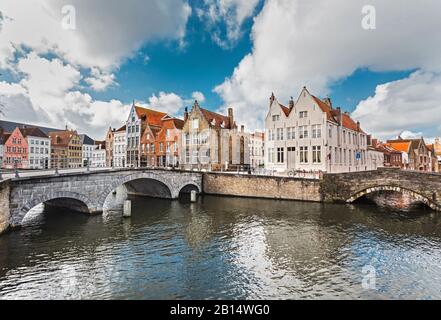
<point x="224" y="248"/>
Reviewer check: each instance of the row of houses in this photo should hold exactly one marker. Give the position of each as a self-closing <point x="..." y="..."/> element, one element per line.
<point x="25" y="146"/>
<point x="411" y="154"/>
<point x="311" y="135"/>
<point x="308" y="134"/>
<point x="202" y="139"/>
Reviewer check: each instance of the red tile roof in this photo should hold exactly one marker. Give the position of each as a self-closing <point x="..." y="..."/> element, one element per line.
<point x="209" y="116"/>
<point x="402" y="146"/>
<point x="153" y="117"/>
<point x="123" y="128"/>
<point x="326" y="109"/>
<point x="285" y="110"/>
<point x="61" y="138"/>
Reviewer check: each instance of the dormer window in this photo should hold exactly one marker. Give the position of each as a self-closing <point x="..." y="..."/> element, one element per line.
<point x="213" y="123"/>
<point x="195" y="123"/>
<point x="223" y="124"/>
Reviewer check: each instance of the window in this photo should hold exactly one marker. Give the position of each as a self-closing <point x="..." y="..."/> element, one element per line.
<point x="276" y="118"/>
<point x="195" y="124"/>
<point x="187" y="139"/>
<point x="279" y="134"/>
<point x="204" y="138"/>
<point x="271" y="155"/>
<point x="280" y="155"/>
<point x="316" y="131"/>
<point x="303" y="154"/>
<point x="303" y="114"/>
<point x="303" y="132"/>
<point x="317" y="154"/>
<point x="168" y="133"/>
<point x="291" y="133"/>
<point x="195" y="138"/>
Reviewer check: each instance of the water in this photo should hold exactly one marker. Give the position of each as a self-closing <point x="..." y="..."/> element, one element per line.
<point x="223" y="248"/>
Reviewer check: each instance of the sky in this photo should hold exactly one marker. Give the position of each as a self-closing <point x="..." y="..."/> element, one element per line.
<point x="82" y="63"/>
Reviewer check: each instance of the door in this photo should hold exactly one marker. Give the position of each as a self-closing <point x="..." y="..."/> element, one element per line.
<point x="291" y="158"/>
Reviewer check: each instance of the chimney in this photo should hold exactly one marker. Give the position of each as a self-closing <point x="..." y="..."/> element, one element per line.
<point x="186" y="114"/>
<point x="230" y="116"/>
<point x="339" y="116"/>
<point x="328" y="101"/>
<point x="272" y="98"/>
<point x="291" y="103"/>
<point x="242" y="128"/>
<point x="358" y="126"/>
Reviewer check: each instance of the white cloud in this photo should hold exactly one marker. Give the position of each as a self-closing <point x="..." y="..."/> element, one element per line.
<point x="100" y="81"/>
<point x="199" y="96"/>
<point x="49" y="60"/>
<point x="316" y="43"/>
<point x="107" y="32"/>
<point x="231" y="13"/>
<point x="47" y="95"/>
<point x="411" y="105"/>
<point x="169" y="103"/>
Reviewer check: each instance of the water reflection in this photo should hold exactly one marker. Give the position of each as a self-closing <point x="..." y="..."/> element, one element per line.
<point x="227" y="248"/>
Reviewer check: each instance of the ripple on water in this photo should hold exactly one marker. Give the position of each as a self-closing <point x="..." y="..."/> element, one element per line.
<point x="222" y="248"/>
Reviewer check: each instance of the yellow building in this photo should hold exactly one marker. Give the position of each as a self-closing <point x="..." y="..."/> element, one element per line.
<point x="66" y="149"/>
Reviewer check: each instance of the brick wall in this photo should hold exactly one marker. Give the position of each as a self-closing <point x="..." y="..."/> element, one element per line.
<point x="261" y="187"/>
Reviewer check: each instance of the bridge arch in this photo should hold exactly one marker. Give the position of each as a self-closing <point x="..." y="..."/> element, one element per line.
<point x="135" y="177"/>
<point x="417" y="196"/>
<point x="87" y="204"/>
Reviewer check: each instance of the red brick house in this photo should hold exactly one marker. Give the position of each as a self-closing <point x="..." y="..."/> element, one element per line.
<point x="168" y="142"/>
<point x="148" y="146"/>
<point x="16" y="153"/>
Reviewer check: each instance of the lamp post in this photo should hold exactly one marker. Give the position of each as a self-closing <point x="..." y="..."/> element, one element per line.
<point x="16" y="169"/>
<point x="88" y="164"/>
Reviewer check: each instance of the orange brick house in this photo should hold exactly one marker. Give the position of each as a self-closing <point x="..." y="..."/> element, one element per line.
<point x="16" y="153"/>
<point x="418" y="156"/>
<point x="148" y="146"/>
<point x="168" y="142"/>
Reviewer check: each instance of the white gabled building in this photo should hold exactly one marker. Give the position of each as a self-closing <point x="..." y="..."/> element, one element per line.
<point x="99" y="155"/>
<point x="87" y="145"/>
<point x="311" y="135"/>
<point x="39" y="148"/>
<point x="257" y="149"/>
<point x="119" y="148"/>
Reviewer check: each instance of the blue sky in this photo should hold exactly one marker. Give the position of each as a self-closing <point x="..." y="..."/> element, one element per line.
<point x="163" y="53"/>
<point x="202" y="65"/>
<point x="198" y="66"/>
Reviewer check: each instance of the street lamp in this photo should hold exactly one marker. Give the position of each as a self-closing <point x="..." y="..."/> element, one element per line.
<point x="16" y="169"/>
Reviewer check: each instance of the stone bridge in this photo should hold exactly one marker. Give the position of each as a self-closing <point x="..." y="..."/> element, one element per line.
<point x="88" y="191"/>
<point x="348" y="187"/>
